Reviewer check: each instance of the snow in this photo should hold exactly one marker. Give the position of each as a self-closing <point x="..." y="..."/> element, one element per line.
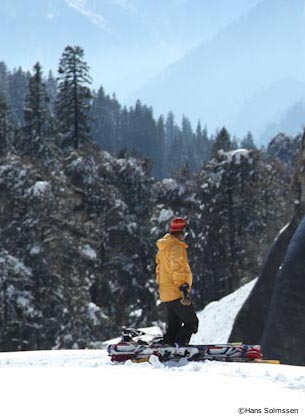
<point x="217" y="318"/>
<point x="78" y="384"/>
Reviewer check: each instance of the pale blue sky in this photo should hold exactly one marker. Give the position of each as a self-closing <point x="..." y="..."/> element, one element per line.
<point x="126" y="41"/>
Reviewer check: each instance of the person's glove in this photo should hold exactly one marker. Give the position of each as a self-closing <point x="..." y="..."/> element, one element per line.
<point x="186" y="300"/>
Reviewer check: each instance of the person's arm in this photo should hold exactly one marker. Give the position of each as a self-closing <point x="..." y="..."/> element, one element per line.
<point x="177" y="265"/>
<point x="185" y="289"/>
<point x="158" y="269"/>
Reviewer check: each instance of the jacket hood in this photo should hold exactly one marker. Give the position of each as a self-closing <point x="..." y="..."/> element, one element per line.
<point x="169" y="240"/>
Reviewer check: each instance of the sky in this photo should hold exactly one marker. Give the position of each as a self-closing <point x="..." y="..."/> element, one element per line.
<point x="126" y="42"/>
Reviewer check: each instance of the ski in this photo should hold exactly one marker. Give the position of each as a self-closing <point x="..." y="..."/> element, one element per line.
<point x="138" y="346"/>
<point x="129" y="351"/>
<point x="238" y="360"/>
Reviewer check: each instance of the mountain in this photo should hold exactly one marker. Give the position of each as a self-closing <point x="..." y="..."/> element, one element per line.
<point x="126" y="41"/>
<point x="215" y="80"/>
<point x="292" y="122"/>
<point x="273" y="109"/>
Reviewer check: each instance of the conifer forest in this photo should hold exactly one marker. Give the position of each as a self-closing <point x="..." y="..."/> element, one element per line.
<point x="87" y="186"/>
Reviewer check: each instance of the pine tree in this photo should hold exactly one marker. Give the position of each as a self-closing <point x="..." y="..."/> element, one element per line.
<point x="188" y="140"/>
<point x="4" y="84"/>
<point x="125" y="130"/>
<point x="99" y="115"/>
<point x="159" y="165"/>
<point x="222" y="142"/>
<point x="36" y="112"/>
<point x="51" y="85"/>
<point x="105" y="114"/>
<point x="74" y="96"/>
<point x="18" y="88"/>
<point x="170" y="130"/>
<point x="248" y="142"/>
<point x="202" y="146"/>
<point x="5" y="127"/>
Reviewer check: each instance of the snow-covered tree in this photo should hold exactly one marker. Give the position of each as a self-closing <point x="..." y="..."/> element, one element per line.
<point x="18" y="311"/>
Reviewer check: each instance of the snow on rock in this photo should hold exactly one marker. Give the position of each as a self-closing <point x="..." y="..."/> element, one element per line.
<point x="217" y="318"/>
<point x="35" y="250"/>
<point x="40" y="188"/>
<point x="236" y="155"/>
<point x="171" y="185"/>
<point x="165" y="215"/>
<point x="14" y="264"/>
<point x="88" y="252"/>
<point x="95" y="313"/>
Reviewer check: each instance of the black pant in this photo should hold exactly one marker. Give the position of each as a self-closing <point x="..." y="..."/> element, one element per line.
<point x="182" y="322"/>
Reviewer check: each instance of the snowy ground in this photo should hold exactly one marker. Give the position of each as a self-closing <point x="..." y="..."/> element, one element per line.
<point x="84" y="384"/>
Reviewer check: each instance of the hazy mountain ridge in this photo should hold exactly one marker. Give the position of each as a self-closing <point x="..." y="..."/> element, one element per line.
<point x="215" y="79"/>
<point x="291" y="122"/>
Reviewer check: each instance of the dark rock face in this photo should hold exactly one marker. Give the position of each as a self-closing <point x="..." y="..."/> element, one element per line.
<point x="284" y="334"/>
<point x="251" y="320"/>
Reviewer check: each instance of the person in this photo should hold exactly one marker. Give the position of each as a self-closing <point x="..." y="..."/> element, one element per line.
<point x="175" y="279"/>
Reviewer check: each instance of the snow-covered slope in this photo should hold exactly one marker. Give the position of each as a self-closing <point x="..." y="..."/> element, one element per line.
<point x="84" y="384"/>
<point x="36" y="387"/>
<point x="217" y="318"/>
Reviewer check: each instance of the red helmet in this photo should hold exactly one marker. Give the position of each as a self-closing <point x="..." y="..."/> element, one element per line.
<point x="177" y="225"/>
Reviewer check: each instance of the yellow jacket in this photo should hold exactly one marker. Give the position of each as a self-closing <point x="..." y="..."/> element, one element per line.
<point x="173" y="268"/>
